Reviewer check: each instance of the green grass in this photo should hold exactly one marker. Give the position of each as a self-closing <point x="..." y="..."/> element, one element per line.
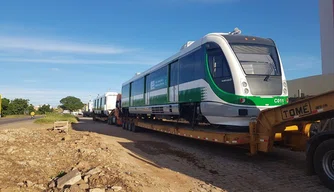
<point x="52" y="117"/>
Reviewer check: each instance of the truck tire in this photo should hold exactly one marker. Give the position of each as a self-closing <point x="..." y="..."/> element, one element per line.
<point x="324" y="163"/>
<point x="133" y="127"/>
<point x="113" y="120"/>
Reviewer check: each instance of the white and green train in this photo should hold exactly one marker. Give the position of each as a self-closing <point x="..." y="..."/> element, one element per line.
<point x="223" y="79"/>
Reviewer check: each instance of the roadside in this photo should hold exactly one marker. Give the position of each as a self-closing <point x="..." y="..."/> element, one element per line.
<point x="205" y="166"/>
<point x="14" y="116"/>
<point x="31" y="156"/>
<point x="99" y="156"/>
<point x="4" y="121"/>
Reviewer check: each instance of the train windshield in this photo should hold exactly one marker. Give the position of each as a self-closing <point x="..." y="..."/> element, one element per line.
<point x="257" y="59"/>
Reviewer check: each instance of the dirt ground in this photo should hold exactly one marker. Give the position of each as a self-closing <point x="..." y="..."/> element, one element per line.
<point x="108" y="158"/>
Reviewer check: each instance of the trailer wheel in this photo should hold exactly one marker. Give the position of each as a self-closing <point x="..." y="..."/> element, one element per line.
<point x="129" y="126"/>
<point x="324" y="163"/>
<point x="134" y="127"/>
<point x="113" y="120"/>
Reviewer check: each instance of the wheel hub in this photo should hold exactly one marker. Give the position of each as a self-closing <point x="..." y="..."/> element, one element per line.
<point x="328" y="164"/>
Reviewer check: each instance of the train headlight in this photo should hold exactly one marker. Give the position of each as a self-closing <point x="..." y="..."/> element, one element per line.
<point x="246" y="91"/>
<point x="284" y="84"/>
<point x="244" y="84"/>
<point x="285" y="91"/>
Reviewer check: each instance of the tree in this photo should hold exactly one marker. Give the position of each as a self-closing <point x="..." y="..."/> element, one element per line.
<point x="71" y="103"/>
<point x="4" y="106"/>
<point x="18" y="106"/>
<point x="45" y="109"/>
<point x="31" y="108"/>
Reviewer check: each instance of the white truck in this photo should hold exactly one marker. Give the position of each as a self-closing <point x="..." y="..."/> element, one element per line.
<point x="103" y="105"/>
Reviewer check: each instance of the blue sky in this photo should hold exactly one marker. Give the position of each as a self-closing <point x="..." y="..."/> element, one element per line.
<point x="51" y="49"/>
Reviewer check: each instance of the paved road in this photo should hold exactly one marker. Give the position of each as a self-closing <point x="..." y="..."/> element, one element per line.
<point x="226" y="167"/>
<point x="14" y="120"/>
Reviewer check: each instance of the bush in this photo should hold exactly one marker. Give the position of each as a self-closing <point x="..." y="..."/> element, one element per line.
<point x="52" y="117"/>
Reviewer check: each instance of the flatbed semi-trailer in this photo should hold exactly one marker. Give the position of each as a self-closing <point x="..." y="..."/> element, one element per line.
<point x="314" y="118"/>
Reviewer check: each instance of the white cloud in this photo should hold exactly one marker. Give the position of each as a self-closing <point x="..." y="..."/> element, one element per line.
<point x="41" y="96"/>
<point x="79" y="61"/>
<point x="52" y="45"/>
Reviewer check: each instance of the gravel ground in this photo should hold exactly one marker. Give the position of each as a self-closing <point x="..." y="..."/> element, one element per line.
<point x="31" y="157"/>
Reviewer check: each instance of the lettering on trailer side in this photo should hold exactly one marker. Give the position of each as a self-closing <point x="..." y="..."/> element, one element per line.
<point x="321" y="106"/>
<point x="299" y="110"/>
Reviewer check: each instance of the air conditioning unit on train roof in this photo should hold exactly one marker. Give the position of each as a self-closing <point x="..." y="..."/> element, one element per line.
<point x="187" y="44"/>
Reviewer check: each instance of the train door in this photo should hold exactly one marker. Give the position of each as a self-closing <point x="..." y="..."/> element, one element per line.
<point x="147" y="90"/>
<point x="174" y="82"/>
<point x="130" y="95"/>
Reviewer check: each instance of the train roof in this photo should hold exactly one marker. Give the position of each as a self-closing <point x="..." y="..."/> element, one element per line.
<point x="191" y="45"/>
<point x="248" y="39"/>
<point x="109" y="93"/>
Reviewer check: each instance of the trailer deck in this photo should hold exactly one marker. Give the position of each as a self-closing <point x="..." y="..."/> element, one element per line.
<point x="313" y="116"/>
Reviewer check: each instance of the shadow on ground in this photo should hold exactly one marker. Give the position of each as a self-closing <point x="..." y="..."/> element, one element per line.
<point x="217" y="164"/>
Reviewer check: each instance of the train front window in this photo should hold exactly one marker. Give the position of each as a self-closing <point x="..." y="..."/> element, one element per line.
<point x="257" y="59"/>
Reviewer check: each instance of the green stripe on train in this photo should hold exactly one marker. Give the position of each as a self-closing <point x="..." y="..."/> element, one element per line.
<point x="192" y="95"/>
<point x="138" y="102"/>
<point x="235" y="99"/>
<point x="158" y="99"/>
<point x="125" y="103"/>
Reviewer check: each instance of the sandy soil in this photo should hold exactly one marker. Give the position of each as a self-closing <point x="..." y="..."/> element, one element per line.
<point x="31" y="157"/>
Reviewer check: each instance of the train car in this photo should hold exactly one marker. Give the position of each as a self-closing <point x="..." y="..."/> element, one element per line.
<point x="103" y="105"/>
<point x="224" y="79"/>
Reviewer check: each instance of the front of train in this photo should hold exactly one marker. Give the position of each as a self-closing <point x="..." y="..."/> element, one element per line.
<point x="251" y="78"/>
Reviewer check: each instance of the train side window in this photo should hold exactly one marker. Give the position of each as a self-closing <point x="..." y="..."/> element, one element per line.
<point x="148" y="83"/>
<point x="138" y="87"/>
<point x="125" y="91"/>
<point x="158" y="79"/>
<point x="219" y="68"/>
<point x="192" y="66"/>
<point x="218" y="64"/>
